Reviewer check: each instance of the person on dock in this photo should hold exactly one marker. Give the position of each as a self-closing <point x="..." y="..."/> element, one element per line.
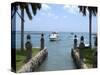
<point x="75" y="42"/>
<point x="28" y="46"/>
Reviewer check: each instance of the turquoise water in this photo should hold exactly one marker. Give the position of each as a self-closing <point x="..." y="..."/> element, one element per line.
<point x="59" y="52"/>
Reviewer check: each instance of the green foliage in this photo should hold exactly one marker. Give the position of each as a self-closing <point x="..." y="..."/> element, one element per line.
<point x="88" y="55"/>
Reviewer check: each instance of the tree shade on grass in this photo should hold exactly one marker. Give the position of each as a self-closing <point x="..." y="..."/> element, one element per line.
<point x="21" y="57"/>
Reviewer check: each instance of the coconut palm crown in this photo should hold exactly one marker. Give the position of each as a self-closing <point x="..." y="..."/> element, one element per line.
<point x="25" y="6"/>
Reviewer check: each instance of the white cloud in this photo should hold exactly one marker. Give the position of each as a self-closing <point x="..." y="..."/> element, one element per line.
<point x="46" y="7"/>
<point x="65" y="16"/>
<point x="71" y="9"/>
<point x="54" y="16"/>
<point x="38" y="19"/>
<point x="47" y="11"/>
<point x="43" y="13"/>
<point x="51" y="14"/>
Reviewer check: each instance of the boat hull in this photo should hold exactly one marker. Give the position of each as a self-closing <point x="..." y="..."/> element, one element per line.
<point x="53" y="39"/>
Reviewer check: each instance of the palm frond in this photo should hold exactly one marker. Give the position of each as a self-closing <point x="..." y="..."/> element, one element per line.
<point x="35" y="7"/>
<point x="28" y="11"/>
<point x="82" y="9"/>
<point x="14" y="8"/>
<point x="25" y="6"/>
<point x="38" y="6"/>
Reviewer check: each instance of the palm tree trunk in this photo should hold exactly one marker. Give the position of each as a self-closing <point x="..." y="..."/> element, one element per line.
<point x="90" y="28"/>
<point x="22" y="30"/>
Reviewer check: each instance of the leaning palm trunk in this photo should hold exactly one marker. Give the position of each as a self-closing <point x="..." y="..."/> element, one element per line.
<point x="90" y="28"/>
<point x="22" y="30"/>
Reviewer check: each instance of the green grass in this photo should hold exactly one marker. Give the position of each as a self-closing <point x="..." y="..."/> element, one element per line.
<point x="21" y="56"/>
<point x="88" y="55"/>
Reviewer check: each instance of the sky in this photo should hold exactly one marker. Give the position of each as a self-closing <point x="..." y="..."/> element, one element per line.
<point x="57" y="17"/>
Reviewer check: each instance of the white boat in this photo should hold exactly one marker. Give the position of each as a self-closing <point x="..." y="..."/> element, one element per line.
<point x="53" y="36"/>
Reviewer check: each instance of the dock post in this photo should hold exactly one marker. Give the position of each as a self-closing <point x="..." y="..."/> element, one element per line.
<point x="75" y="42"/>
<point x="81" y="47"/>
<point x="42" y="41"/>
<point x="28" y="46"/>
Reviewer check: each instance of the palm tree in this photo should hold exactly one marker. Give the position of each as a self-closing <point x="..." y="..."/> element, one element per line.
<point x="24" y="6"/>
<point x="92" y="11"/>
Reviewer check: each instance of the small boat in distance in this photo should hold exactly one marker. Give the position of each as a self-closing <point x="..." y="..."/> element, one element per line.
<point x="53" y="36"/>
<point x="72" y="33"/>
